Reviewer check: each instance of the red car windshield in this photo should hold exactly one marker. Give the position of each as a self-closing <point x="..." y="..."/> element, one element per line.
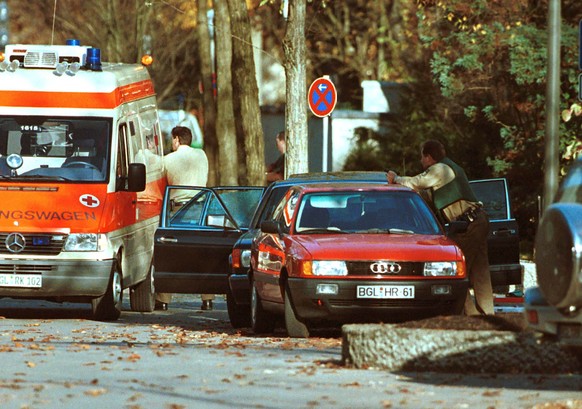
<point x="365" y="212"/>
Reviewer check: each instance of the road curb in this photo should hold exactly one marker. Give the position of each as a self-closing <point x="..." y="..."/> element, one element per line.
<point x="392" y="348"/>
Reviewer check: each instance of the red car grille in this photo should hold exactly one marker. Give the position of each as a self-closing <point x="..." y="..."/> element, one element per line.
<point x="387" y="268"/>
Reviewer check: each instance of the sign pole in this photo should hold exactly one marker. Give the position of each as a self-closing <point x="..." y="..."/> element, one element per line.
<point x="325" y="138"/>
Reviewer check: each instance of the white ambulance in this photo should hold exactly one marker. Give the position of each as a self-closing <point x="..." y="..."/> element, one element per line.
<point x="81" y="178"/>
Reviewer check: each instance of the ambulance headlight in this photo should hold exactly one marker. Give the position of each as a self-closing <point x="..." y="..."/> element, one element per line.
<point x="84" y="242"/>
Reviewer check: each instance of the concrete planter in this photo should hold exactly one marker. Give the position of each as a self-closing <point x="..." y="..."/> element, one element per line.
<point x="392" y="348"/>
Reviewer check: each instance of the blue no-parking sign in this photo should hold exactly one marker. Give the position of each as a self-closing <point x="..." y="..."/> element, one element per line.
<point x="322" y="97"/>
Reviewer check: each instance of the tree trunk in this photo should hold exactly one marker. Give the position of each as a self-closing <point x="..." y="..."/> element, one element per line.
<point x="296" y="156"/>
<point x="247" y="109"/>
<point x="209" y="103"/>
<point x="143" y="26"/>
<point x="225" y="126"/>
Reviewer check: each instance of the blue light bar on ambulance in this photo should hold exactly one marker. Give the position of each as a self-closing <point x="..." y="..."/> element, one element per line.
<point x="55" y="56"/>
<point x="94" y="59"/>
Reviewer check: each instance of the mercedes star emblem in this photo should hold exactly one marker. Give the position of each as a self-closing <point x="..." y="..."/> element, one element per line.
<point x="15" y="242"/>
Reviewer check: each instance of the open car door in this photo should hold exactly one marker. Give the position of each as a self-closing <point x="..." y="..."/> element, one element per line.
<point x="503" y="240"/>
<point x="198" y="227"/>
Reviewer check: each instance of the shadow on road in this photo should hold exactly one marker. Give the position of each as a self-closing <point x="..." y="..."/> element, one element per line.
<point x="184" y="313"/>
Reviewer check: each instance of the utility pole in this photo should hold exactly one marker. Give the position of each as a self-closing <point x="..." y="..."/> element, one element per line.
<point x="552" y="162"/>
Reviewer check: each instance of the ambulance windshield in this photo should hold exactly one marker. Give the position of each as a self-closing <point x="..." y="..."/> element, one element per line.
<point x="56" y="148"/>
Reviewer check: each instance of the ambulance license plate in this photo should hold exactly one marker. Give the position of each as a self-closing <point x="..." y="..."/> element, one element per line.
<point x="21" y="280"/>
<point x="385" y="291"/>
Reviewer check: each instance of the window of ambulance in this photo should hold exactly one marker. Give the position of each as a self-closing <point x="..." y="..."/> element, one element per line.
<point x="64" y="149"/>
<point x="150" y="153"/>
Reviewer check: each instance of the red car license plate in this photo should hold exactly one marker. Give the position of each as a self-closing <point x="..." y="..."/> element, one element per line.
<point x="385" y="291"/>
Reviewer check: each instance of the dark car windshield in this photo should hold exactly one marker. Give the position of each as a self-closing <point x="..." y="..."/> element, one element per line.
<point x="366" y="212"/>
<point x="241" y="203"/>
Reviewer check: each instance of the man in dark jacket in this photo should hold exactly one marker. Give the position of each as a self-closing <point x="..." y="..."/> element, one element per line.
<point x="276" y="170"/>
<point x="448" y="188"/>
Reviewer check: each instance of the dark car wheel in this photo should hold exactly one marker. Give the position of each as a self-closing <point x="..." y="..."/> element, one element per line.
<point x="261" y="321"/>
<point x="239" y="315"/>
<point x="108" y="306"/>
<point x="295" y="328"/>
<point x="142" y="295"/>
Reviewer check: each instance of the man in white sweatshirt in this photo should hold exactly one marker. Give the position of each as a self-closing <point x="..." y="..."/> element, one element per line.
<point x="184" y="166"/>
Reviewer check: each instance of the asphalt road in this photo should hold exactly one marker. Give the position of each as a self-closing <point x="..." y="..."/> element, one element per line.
<point x="54" y="356"/>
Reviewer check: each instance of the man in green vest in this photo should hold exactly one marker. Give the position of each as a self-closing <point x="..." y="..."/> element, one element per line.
<point x="448" y="190"/>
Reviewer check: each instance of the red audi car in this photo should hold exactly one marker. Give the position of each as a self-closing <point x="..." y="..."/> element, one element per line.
<point x="341" y="253"/>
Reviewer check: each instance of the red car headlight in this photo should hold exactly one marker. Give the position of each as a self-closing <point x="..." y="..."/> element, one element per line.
<point x="324" y="268"/>
<point x="444" y="269"/>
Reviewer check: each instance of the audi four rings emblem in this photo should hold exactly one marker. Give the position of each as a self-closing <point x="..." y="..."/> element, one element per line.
<point x="382" y="267"/>
<point x="15" y="242"/>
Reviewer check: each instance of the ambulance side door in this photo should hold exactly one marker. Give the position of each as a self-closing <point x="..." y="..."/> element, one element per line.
<point x="125" y="209"/>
